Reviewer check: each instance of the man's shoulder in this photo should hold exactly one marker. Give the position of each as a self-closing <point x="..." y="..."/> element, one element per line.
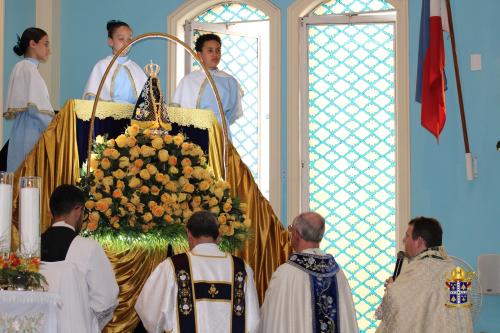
<point x="88" y="243"/>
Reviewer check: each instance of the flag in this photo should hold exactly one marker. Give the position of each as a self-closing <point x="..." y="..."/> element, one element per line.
<point x="431" y="79"/>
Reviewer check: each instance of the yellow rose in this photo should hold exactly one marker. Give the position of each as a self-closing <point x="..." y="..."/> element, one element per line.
<point x="187" y="171"/>
<point x="94" y="163"/>
<point x="155" y="190"/>
<point x="147" y="151"/>
<point x="158" y="211"/>
<point x="108" y="213"/>
<point x="98" y="196"/>
<point x="116" y="225"/>
<point x="182" y="197"/>
<point x="203" y="185"/>
<point x="227" y="207"/>
<point x="186" y="162"/>
<point x="119" y="174"/>
<point x="213" y="201"/>
<point x="101" y="205"/>
<point x="168" y="139"/>
<point x="131" y="141"/>
<point x="151" y="169"/>
<point x="147" y="217"/>
<point x="134" y="182"/>
<point x="152" y="204"/>
<point x="219" y="193"/>
<point x="236" y="225"/>
<point x="223" y="229"/>
<point x="89" y="204"/>
<point x="107" y="181"/>
<point x="189" y="188"/>
<point x="159" y="177"/>
<point x="120" y="184"/>
<point x="222" y="219"/>
<point x="99" y="139"/>
<point x="121" y="141"/>
<point x="105" y="163"/>
<point x="134" y="152"/>
<point x="163" y="155"/>
<point x="172" y="160"/>
<point x="168" y="218"/>
<point x="173" y="170"/>
<point x="198" y="172"/>
<point x="98" y="174"/>
<point x="186" y="214"/>
<point x="110" y="143"/>
<point x="123" y="162"/>
<point x="117" y="193"/>
<point x="144" y="189"/>
<point x="107" y="189"/>
<point x="107" y="152"/>
<point x="138" y="163"/>
<point x="230" y="230"/>
<point x="123" y="200"/>
<point x="171" y="186"/>
<point x="178" y="139"/>
<point x="144" y="174"/>
<point x="203" y="160"/>
<point x="130" y="207"/>
<point x="215" y="210"/>
<point x="114" y="220"/>
<point x="157" y="143"/>
<point x="133" y="130"/>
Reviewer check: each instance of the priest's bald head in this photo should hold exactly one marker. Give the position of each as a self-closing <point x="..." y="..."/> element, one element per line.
<point x="202" y="227"/>
<point x="307" y="231"/>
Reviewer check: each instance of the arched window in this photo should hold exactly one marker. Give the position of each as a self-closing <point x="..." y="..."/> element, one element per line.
<point x="247" y="54"/>
<point x="349" y="167"/>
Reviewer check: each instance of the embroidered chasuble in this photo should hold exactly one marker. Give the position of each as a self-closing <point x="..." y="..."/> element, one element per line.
<point x="416" y="301"/>
<point x="309" y="293"/>
<point x="203" y="291"/>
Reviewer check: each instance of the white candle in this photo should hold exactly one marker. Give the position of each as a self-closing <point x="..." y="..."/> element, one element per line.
<point x="30" y="221"/>
<point x="5" y="216"/>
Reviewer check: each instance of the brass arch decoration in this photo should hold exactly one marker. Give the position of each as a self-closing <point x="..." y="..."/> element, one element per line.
<point x="205" y="70"/>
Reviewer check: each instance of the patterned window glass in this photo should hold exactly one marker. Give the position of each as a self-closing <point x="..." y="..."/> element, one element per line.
<point x="351" y="6"/>
<point x="240" y="58"/>
<point x="352" y="152"/>
<point x="231" y="12"/>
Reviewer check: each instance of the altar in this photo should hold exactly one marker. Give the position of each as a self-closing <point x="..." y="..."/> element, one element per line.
<point x="55" y="158"/>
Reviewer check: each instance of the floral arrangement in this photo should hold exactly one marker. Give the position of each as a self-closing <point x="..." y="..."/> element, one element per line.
<point x="146" y="185"/>
<point x="20" y="273"/>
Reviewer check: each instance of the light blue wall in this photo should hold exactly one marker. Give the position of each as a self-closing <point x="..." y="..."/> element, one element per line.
<point x="468" y="211"/>
<point x="19" y="14"/>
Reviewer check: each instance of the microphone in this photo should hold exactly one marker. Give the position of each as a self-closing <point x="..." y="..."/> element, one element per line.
<point x="399" y="264"/>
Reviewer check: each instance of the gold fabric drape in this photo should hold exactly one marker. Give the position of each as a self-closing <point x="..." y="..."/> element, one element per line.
<point x="55" y="158"/>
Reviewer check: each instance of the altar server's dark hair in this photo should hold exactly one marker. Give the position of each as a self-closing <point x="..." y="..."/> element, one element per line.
<point x="64" y="198"/>
<point x="429" y="229"/>
<point x="203" y="223"/>
<point x="112" y="25"/>
<point x="205" y="38"/>
<point x="34" y="34"/>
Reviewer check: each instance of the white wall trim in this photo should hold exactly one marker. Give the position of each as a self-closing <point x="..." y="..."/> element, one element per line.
<point x="48" y="18"/>
<point x="296" y="11"/>
<point x="175" y="65"/>
<point x="2" y="42"/>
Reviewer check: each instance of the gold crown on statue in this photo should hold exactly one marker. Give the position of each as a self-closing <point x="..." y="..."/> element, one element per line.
<point x="151" y="69"/>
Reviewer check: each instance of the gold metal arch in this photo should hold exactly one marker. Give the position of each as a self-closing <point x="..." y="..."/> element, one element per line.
<point x="205" y="70"/>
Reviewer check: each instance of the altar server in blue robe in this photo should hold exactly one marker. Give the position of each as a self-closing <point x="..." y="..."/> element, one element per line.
<point x="125" y="79"/>
<point x="194" y="91"/>
<point x="308" y="293"/>
<point x="28" y="101"/>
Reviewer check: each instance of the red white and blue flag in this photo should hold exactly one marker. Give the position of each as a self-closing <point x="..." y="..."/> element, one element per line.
<point x="431" y="80"/>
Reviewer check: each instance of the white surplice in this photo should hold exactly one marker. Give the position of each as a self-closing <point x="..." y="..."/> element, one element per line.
<point x="287" y="305"/>
<point x="89" y="257"/>
<point x="415" y="302"/>
<point x="157" y="303"/>
<point x="28" y="102"/>
<point x="194" y="92"/>
<point x="134" y="73"/>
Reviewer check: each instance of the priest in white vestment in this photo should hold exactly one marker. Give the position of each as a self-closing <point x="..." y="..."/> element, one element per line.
<point x="61" y="243"/>
<point x="420" y="300"/>
<point x="125" y="78"/>
<point x="204" y="290"/>
<point x="194" y="91"/>
<point x="309" y="293"/>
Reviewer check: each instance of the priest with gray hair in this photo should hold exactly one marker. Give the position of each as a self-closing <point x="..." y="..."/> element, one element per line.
<point x="308" y="293"/>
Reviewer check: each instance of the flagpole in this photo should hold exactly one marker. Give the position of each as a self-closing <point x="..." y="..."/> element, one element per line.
<point x="459" y="83"/>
